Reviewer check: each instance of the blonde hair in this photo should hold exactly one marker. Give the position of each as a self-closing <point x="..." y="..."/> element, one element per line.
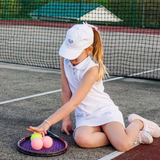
<point x="98" y="54"/>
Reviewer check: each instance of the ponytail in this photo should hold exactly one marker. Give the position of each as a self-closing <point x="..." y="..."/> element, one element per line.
<point x="98" y="54"/>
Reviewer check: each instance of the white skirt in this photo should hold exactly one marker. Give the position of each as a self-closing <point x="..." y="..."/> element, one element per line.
<point x="101" y="117"/>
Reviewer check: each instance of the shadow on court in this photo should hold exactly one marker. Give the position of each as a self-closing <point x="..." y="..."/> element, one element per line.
<point x="131" y="95"/>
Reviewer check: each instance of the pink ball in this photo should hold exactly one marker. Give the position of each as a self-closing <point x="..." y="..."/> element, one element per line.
<point x="47" y="141"/>
<point x="37" y="143"/>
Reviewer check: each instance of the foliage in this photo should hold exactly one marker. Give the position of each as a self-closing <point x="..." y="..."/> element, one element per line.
<point x="133" y="12"/>
<point x="8" y="9"/>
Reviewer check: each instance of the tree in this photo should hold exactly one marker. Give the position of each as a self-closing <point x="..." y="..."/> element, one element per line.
<point x="10" y="8"/>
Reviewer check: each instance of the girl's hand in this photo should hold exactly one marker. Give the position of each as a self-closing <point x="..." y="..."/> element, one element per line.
<point x="67" y="127"/>
<point x="40" y="129"/>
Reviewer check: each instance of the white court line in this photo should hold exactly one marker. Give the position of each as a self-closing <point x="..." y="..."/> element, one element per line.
<point x="29" y="68"/>
<point x="113" y="79"/>
<point x="153" y="70"/>
<point x="111" y="155"/>
<point x="31" y="96"/>
<point x="114" y="154"/>
<point x="135" y="74"/>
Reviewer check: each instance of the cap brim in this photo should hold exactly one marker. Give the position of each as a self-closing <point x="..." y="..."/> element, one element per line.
<point x="68" y="53"/>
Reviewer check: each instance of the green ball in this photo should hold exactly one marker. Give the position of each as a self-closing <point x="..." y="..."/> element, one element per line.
<point x="36" y="135"/>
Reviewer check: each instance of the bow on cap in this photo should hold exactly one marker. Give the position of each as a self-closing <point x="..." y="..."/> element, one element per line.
<point x="91" y="26"/>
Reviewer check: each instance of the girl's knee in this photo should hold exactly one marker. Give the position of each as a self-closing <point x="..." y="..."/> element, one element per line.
<point x="83" y="140"/>
<point x="123" y="145"/>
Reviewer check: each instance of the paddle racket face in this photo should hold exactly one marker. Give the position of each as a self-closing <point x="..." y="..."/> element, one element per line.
<point x="59" y="147"/>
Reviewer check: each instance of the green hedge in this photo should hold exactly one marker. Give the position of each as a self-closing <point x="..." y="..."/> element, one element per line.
<point x="136" y="13"/>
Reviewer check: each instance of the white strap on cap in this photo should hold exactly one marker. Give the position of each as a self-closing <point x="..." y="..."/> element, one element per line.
<point x="91" y="26"/>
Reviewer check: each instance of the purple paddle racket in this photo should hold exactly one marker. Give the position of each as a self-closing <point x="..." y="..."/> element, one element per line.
<point x="59" y="146"/>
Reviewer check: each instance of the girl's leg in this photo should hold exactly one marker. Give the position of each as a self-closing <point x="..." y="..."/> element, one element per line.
<point x="90" y="137"/>
<point x="148" y="125"/>
<point x="122" y="139"/>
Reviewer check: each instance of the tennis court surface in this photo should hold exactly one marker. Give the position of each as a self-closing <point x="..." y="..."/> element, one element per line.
<point x="31" y="33"/>
<point x="31" y="94"/>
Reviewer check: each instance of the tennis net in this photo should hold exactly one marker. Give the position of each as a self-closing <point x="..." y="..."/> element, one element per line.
<point x="32" y="31"/>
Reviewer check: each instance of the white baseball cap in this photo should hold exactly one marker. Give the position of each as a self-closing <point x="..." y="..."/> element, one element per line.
<point x="78" y="38"/>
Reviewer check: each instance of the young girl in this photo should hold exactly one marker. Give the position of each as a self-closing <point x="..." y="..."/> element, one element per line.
<point x="98" y="120"/>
